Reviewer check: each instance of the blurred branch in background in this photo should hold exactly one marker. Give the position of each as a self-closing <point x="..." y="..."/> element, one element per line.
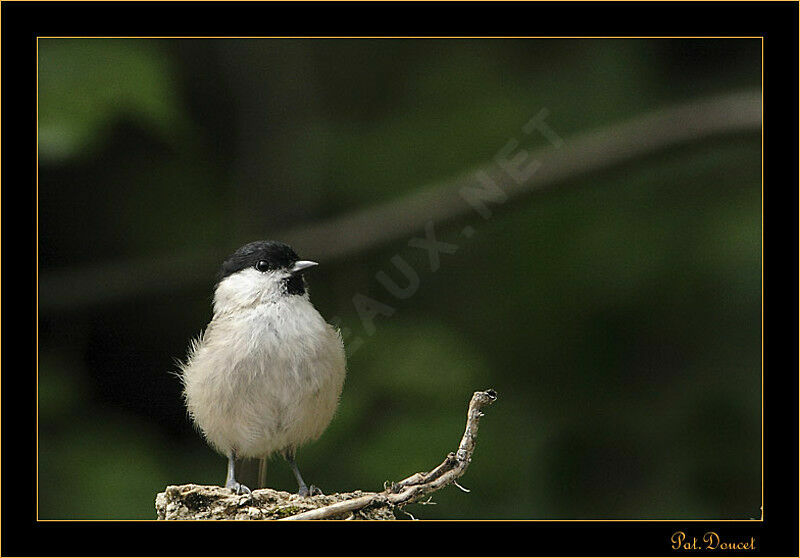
<point x="372" y="227"/>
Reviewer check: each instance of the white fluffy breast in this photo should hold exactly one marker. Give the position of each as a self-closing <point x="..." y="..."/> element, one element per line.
<point x="267" y="373"/>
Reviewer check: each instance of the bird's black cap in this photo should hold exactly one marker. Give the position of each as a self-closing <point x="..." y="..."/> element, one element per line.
<point x="277" y="255"/>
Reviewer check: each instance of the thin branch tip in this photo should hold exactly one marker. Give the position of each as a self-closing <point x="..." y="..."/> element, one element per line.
<point x="418" y="485"/>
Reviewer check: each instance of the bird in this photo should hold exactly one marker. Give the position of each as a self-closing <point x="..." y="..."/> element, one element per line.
<point x="266" y="374"/>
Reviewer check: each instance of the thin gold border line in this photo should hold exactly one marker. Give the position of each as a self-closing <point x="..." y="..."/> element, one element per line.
<point x="761" y="37"/>
<point x="206" y="521"/>
<point x="37" y="278"/>
<point x="593" y="37"/>
<point x="762" y="279"/>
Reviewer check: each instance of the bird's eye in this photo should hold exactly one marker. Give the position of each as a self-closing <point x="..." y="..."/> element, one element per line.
<point x="262" y="265"/>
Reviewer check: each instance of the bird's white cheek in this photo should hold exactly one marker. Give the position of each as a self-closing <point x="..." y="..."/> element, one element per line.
<point x="247" y="288"/>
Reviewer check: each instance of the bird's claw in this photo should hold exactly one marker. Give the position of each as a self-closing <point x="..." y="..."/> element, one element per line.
<point x="306" y="491"/>
<point x="237" y="488"/>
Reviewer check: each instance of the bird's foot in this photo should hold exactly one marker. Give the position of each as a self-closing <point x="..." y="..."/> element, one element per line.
<point x="237" y="488"/>
<point x="306" y="491"/>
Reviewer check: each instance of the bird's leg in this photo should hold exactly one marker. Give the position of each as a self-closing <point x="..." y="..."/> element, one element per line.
<point x="303" y="490"/>
<point x="262" y="472"/>
<point x="230" y="482"/>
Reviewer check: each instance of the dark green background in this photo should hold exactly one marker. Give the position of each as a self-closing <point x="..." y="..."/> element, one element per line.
<point x="618" y="316"/>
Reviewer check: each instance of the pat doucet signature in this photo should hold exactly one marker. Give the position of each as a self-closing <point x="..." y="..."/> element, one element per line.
<point x="710" y="541"/>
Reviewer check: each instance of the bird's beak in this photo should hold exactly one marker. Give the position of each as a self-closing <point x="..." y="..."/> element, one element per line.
<point x="302" y="265"/>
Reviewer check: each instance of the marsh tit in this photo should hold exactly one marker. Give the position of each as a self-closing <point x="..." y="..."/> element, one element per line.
<point x="266" y="374"/>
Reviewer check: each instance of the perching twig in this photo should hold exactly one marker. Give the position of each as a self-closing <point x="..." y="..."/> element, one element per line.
<point x="417" y="485"/>
<point x="193" y="502"/>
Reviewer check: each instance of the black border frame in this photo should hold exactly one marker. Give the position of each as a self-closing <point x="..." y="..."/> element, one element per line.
<point x="22" y="22"/>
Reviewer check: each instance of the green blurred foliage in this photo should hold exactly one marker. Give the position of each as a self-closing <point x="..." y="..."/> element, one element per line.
<point x="618" y="318"/>
<point x="86" y="86"/>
